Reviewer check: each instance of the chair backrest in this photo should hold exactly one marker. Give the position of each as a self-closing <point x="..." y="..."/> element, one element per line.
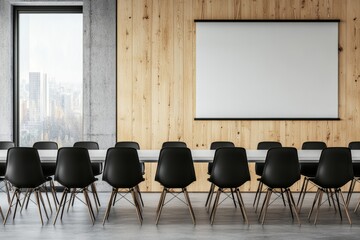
<point x="43" y="145"/>
<point x="122" y="167"/>
<point x="220" y="144"/>
<point x="4" y="145"/>
<point x="266" y="145"/>
<point x="89" y="145"/>
<point x="128" y="144"/>
<point x="173" y="144"/>
<point x="230" y="167"/>
<point x="175" y="167"/>
<point x="23" y="168"/>
<point x="335" y="167"/>
<point x="354" y="145"/>
<point x="313" y="145"/>
<point x="282" y="168"/>
<point x="73" y="167"/>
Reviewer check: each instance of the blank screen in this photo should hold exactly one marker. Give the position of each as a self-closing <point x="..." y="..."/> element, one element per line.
<point x="276" y="70"/>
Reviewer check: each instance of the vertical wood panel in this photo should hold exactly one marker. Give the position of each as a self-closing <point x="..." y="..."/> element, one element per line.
<point x="156" y="77"/>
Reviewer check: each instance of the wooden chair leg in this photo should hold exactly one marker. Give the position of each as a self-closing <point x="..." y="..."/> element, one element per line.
<point x="187" y="198"/>
<point x="8" y="212"/>
<point x="345" y="207"/>
<point x="318" y="207"/>
<point x="211" y="191"/>
<point x="162" y="200"/>
<point x="36" y="192"/>
<point x="61" y="204"/>
<point x="242" y="206"/>
<point x="216" y="203"/>
<point x="266" y="205"/>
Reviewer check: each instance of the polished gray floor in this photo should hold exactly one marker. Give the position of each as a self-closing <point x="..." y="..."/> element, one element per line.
<point x="175" y="222"/>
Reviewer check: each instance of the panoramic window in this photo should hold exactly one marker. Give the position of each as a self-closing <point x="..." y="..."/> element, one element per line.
<point x="49" y="76"/>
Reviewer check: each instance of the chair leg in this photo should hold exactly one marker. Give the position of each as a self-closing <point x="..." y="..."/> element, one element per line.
<point x="1" y="213"/>
<point x="17" y="202"/>
<point x="301" y="191"/>
<point x="43" y="204"/>
<point x="8" y="212"/>
<point x="351" y="190"/>
<point x="7" y="191"/>
<point x="38" y="204"/>
<point x="332" y="198"/>
<point x="259" y="196"/>
<point x="338" y="203"/>
<point x="211" y="191"/>
<point x="292" y="204"/>
<point x="187" y="198"/>
<point x="137" y="188"/>
<point x="94" y="196"/>
<point x="53" y="192"/>
<point x="314" y="202"/>
<point x="107" y="212"/>
<point x="256" y="194"/>
<point x="72" y="198"/>
<point x="233" y="197"/>
<point x="114" y="201"/>
<point x="88" y="203"/>
<point x="269" y="191"/>
<point x="306" y="182"/>
<point x="137" y="205"/>
<point x="242" y="206"/>
<point x="345" y="206"/>
<point x="289" y="202"/>
<point x="319" y="204"/>
<point x="162" y="200"/>
<point x="27" y="194"/>
<point x="216" y="203"/>
<point x="62" y="211"/>
<point x="47" y="196"/>
<point x="210" y="199"/>
<point x="282" y="196"/>
<point x="61" y="204"/>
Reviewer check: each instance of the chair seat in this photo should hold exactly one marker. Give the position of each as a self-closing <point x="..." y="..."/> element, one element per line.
<point x="2" y="169"/>
<point x="96" y="168"/>
<point x="210" y="166"/>
<point x="308" y="169"/>
<point x="356" y="167"/>
<point x="48" y="169"/>
<point x="259" y="168"/>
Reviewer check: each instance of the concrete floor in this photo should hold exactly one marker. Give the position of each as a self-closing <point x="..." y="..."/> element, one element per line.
<point x="175" y="222"/>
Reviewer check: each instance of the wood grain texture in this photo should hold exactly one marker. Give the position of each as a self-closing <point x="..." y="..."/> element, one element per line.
<point x="156" y="77"/>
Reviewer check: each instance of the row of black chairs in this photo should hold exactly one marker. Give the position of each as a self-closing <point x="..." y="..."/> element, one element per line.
<point x="179" y="173"/>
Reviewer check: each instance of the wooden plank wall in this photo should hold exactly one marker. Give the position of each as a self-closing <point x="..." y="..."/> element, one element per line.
<point x="156" y="77"/>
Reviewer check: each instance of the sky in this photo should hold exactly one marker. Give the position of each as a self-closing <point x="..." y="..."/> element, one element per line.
<point x="52" y="44"/>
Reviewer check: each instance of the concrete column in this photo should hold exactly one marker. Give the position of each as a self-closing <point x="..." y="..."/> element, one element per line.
<point x="99" y="67"/>
<point x="100" y="71"/>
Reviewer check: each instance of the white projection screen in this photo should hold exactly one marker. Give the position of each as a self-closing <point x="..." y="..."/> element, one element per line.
<point x="266" y="69"/>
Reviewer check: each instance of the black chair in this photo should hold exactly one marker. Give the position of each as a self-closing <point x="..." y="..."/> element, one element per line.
<point x="122" y="170"/>
<point x="308" y="170"/>
<point x="230" y="170"/>
<point x="259" y="168"/>
<point x="175" y="170"/>
<point x="356" y="167"/>
<point x="23" y="171"/>
<point x="214" y="146"/>
<point x="5" y="145"/>
<point x="135" y="145"/>
<point x="74" y="171"/>
<point x="96" y="167"/>
<point x="281" y="171"/>
<point x="48" y="168"/>
<point x="173" y="144"/>
<point x="334" y="171"/>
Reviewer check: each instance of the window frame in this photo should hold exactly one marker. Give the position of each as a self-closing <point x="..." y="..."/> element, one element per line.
<point x="17" y="10"/>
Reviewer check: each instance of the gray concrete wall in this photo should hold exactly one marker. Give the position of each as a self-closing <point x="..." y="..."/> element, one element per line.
<point x="99" y="68"/>
<point x="6" y="75"/>
<point x="100" y="71"/>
